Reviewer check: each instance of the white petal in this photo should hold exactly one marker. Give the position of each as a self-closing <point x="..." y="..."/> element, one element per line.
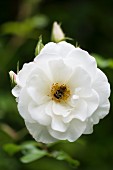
<point x="58" y="135"/>
<point x="73" y="132"/>
<point x="62" y="48"/>
<point x="37" y="96"/>
<point x="23" y="103"/>
<point x="60" y="72"/>
<point x="39" y="76"/>
<point x="58" y="124"/>
<point x="61" y="109"/>
<point x="83" y="92"/>
<point x="45" y="57"/>
<point x="79" y="57"/>
<point x="92" y="102"/>
<point x="89" y="127"/>
<point x="48" y="108"/>
<point x="42" y="60"/>
<point x="73" y="100"/>
<point x="24" y="73"/>
<point x="102" y="86"/>
<point x="39" y="133"/>
<point x="49" y="48"/>
<point x="84" y="107"/>
<point x="101" y="112"/>
<point x="16" y="91"/>
<point x="79" y="112"/>
<point x="38" y="89"/>
<point x="79" y="78"/>
<point x="38" y="114"/>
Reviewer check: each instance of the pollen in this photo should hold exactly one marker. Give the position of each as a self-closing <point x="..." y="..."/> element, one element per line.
<point x="59" y="92"/>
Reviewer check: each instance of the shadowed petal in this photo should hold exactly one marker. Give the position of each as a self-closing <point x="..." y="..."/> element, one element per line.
<point x="102" y="86"/>
<point x="58" y="124"/>
<point x="40" y="133"/>
<point x="59" y="71"/>
<point x="79" y="57"/>
<point x="61" y="109"/>
<point x="79" y="112"/>
<point x="80" y="78"/>
<point x="92" y="102"/>
<point x="38" y="114"/>
<point x="23" y="103"/>
<point x="73" y="132"/>
<point x="24" y="73"/>
<point x="16" y="91"/>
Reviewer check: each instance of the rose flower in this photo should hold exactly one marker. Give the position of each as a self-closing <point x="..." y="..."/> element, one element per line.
<point x="62" y="93"/>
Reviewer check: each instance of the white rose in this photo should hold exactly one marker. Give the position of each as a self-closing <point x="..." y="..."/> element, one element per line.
<point x="62" y="93"/>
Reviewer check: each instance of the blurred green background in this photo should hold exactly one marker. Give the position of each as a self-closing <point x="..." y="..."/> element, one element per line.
<point x="90" y="23"/>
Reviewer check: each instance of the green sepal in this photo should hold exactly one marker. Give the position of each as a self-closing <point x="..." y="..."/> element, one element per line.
<point x="63" y="156"/>
<point x="39" y="46"/>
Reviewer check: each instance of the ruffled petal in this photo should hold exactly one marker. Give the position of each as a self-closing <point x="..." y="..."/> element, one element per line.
<point x="48" y="108"/>
<point x="89" y="127"/>
<point x="101" y="86"/>
<point x="24" y="73"/>
<point x="38" y="114"/>
<point x="16" y="91"/>
<point x="61" y="109"/>
<point x="92" y="102"/>
<point x="80" y="78"/>
<point x="60" y="72"/>
<point x="62" y="48"/>
<point x="73" y="132"/>
<point x="37" y="96"/>
<point x="73" y="100"/>
<point x="23" y="103"/>
<point x="101" y="112"/>
<point x="39" y="88"/>
<point x="46" y="57"/>
<point x="79" y="57"/>
<point x="39" y="132"/>
<point x="83" y="91"/>
<point x="58" y="125"/>
<point x="79" y="112"/>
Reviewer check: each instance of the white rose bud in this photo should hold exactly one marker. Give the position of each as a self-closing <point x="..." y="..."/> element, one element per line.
<point x="57" y="33"/>
<point x="13" y="77"/>
<point x="62" y="93"/>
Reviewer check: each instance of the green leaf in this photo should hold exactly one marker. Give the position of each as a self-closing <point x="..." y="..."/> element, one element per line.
<point x="61" y="155"/>
<point x="34" y="155"/>
<point x="31" y="152"/>
<point x="39" y="46"/>
<point x="29" y="144"/>
<point x="24" y="27"/>
<point x="103" y="63"/>
<point x="11" y="148"/>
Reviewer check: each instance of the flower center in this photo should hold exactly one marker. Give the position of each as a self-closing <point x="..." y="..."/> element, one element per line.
<point x="60" y="92"/>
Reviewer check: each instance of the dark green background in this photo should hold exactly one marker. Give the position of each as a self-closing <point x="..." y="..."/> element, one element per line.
<point x="90" y="23"/>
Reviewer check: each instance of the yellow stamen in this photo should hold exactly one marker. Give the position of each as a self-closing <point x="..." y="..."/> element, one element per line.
<point x="59" y="92"/>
